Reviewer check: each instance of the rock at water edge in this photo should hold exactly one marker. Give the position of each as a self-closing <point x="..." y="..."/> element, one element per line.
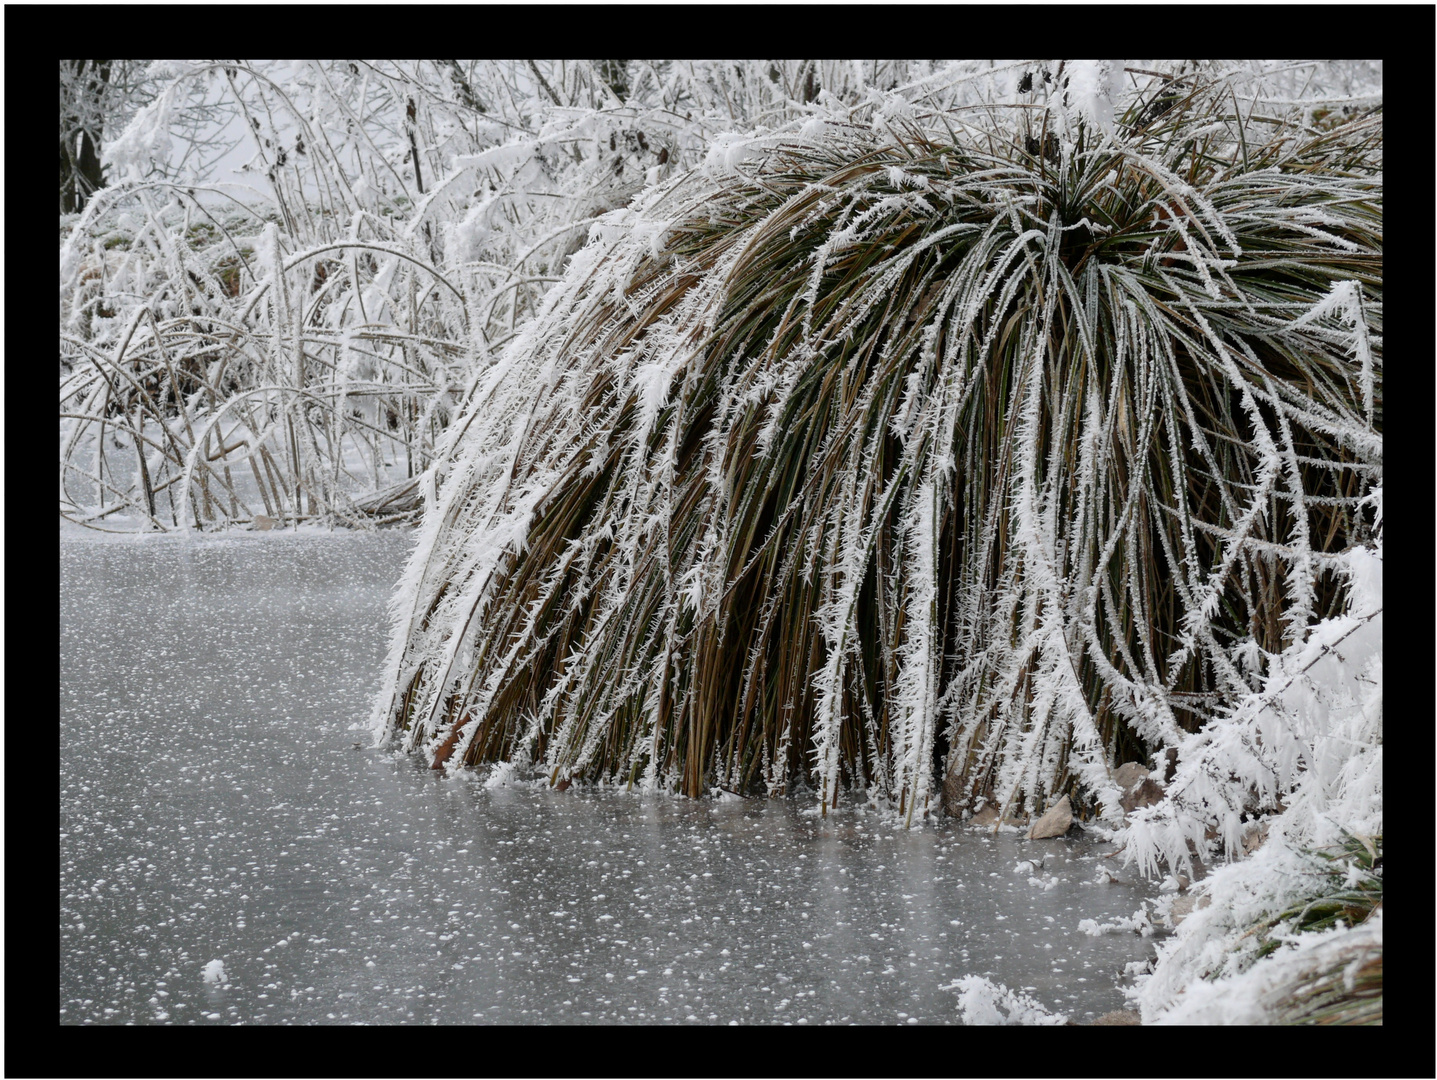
<point x="986" y="816"/>
<point x="1147" y="793"/>
<point x="1056" y="822"/>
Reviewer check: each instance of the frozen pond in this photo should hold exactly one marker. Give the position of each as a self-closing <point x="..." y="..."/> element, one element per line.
<point x="213" y="807"/>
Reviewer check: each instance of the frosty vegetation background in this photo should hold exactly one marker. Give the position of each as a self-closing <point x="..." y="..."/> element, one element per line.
<point x="899" y="431"/>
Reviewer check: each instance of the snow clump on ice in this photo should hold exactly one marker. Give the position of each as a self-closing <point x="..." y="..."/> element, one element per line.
<point x="982" y="1002"/>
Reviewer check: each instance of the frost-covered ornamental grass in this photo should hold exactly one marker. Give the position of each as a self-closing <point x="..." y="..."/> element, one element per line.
<point x="985" y="446"/>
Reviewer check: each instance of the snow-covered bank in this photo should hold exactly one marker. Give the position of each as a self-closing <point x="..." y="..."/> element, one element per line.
<point x="1308" y="745"/>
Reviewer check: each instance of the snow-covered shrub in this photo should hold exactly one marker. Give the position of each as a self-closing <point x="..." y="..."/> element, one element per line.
<point x="1006" y="442"/>
<point x="1332" y="977"/>
<point x="1291" y="935"/>
<point x="1306" y="748"/>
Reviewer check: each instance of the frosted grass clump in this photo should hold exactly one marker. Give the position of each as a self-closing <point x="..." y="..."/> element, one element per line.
<point x="937" y="456"/>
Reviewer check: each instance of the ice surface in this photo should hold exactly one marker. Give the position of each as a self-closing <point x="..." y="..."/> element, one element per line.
<point x="213" y="804"/>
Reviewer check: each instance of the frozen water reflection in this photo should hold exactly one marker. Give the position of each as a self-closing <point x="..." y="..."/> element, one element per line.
<point x="214" y="808"/>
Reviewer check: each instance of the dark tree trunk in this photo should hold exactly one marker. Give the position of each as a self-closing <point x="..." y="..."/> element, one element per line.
<point x="615" y="74"/>
<point x="80" y="171"/>
<point x="810" y="84"/>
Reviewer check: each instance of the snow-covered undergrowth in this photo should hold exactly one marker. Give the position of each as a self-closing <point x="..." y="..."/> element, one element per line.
<point x="296" y="269"/>
<point x="917" y="447"/>
<point x="1300" y="758"/>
